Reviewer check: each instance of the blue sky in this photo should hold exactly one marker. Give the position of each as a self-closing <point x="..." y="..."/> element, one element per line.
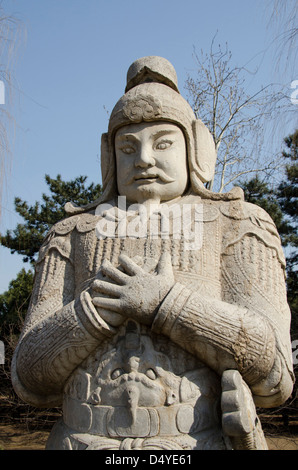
<point x="71" y="68"/>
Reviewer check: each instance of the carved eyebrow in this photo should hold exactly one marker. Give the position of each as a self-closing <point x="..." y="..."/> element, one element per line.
<point x="162" y="132"/>
<point x="155" y="135"/>
<point x="126" y="137"/>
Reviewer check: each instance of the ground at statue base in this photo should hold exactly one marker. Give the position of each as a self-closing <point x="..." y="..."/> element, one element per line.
<point x="17" y="437"/>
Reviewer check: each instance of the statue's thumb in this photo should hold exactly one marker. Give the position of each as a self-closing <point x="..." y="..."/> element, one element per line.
<point x="165" y="264"/>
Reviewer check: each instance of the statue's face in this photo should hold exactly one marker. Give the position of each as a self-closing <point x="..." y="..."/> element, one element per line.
<point x="151" y="162"/>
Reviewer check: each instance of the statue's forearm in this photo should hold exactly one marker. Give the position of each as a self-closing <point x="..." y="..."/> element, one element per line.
<point x="222" y="335"/>
<point x="55" y="346"/>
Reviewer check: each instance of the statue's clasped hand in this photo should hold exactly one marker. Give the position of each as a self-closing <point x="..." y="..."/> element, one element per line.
<point x="130" y="291"/>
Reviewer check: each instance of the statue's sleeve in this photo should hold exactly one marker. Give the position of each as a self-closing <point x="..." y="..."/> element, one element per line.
<point x="60" y="330"/>
<point x="248" y="329"/>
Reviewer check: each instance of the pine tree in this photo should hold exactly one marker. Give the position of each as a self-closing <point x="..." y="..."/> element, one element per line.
<point x="287" y="195"/>
<point x="14" y="303"/>
<point x="281" y="203"/>
<point x="27" y="237"/>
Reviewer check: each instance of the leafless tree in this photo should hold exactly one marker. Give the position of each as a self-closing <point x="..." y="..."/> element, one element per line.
<point x="283" y="21"/>
<point x="10" y="29"/>
<point x="221" y="95"/>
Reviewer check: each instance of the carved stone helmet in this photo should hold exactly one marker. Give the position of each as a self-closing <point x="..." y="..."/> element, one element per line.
<point x="152" y="94"/>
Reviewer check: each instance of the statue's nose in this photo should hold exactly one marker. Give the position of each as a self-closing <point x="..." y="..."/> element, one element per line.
<point x="144" y="158"/>
<point x="132" y="395"/>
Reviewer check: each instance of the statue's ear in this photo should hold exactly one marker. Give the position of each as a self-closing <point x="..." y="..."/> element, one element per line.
<point x="104" y="158"/>
<point x="108" y="167"/>
<point x="108" y="179"/>
<point x="204" y="156"/>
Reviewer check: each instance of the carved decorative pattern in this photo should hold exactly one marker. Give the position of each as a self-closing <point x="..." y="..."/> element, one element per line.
<point x="143" y="108"/>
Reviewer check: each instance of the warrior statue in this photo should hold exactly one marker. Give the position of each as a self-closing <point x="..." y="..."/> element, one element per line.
<point x="158" y="318"/>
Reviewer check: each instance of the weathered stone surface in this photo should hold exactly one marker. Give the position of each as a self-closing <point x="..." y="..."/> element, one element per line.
<point x="158" y="318"/>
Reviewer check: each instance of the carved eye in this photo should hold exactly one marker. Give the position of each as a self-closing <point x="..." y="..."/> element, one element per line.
<point x="151" y="374"/>
<point x="128" y="149"/>
<point x="116" y="373"/>
<point x="163" y="145"/>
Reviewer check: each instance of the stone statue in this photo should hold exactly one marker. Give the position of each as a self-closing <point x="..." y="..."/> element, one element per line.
<point x="159" y="317"/>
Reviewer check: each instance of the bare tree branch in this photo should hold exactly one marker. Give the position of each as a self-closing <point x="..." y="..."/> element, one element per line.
<point x="234" y="115"/>
<point x="283" y="20"/>
<point x="10" y="29"/>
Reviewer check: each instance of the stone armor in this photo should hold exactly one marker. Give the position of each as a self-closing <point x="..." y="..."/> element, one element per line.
<point x="227" y="310"/>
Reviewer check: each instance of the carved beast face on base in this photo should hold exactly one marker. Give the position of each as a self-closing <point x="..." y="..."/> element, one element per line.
<point x="134" y="374"/>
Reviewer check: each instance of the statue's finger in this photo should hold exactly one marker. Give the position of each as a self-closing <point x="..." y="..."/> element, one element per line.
<point x="130" y="266"/>
<point x="106" y="303"/>
<point x="113" y="318"/>
<point x="113" y="273"/>
<point x="164" y="266"/>
<point x="106" y="288"/>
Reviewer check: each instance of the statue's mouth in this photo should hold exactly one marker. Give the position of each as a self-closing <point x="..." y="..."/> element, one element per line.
<point x="151" y="177"/>
<point x="146" y="178"/>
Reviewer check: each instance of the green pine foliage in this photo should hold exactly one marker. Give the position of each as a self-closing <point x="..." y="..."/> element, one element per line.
<point x="14" y="303"/>
<point x="28" y="236"/>
<point x="287" y="195"/>
<point x="281" y="202"/>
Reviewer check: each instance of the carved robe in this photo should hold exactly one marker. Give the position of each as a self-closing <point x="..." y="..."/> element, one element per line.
<point x="157" y="387"/>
